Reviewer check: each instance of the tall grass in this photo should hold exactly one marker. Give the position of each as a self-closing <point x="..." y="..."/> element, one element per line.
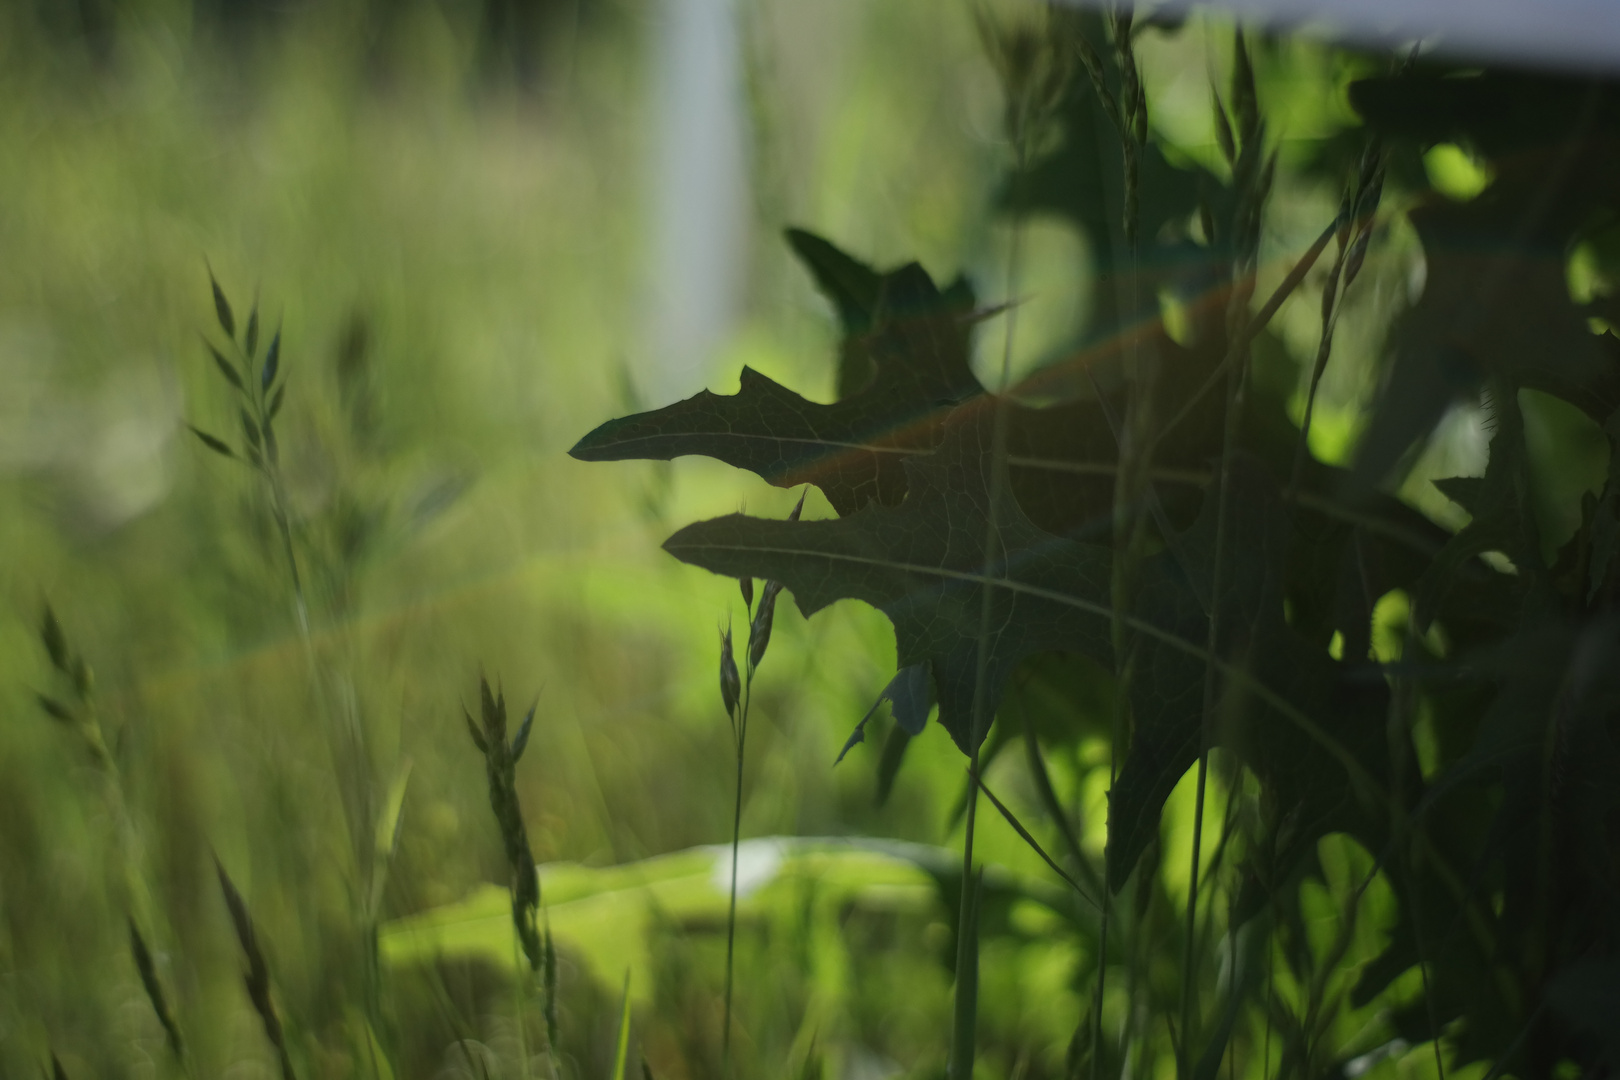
<point x="277" y="647"/>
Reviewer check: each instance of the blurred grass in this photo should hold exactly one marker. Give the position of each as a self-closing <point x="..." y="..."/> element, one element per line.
<point x="367" y="181"/>
<point x="458" y="266"/>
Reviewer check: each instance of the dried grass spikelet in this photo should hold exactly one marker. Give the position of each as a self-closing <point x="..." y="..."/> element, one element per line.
<point x="147" y="969"/>
<point x="257" y="977"/>
<point x="1034" y="63"/>
<point x="72" y="704"/>
<point x="500" y="767"/>
<point x="759" y="629"/>
<point x="730" y="680"/>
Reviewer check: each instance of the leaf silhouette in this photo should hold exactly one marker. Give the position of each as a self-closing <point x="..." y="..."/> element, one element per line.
<point x="1495" y="302"/>
<point x="853" y="449"/>
<point x="923" y="564"/>
<point x="910" y="695"/>
<point x="1503" y="519"/>
<point x="1083" y="178"/>
<point x="854" y="289"/>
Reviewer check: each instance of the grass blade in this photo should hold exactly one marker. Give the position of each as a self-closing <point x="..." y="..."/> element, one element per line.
<point x="622" y="1054"/>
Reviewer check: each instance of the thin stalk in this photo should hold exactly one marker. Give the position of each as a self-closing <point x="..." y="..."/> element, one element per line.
<point x="1331" y="294"/>
<point x="1251" y="196"/>
<point x="1295" y="278"/>
<point x="965" y="1007"/>
<point x="1135" y="441"/>
<point x="1034" y="845"/>
<point x="1189" y="957"/>
<point x="1398" y="739"/>
<point x="736" y="843"/>
<point x="1271" y="1000"/>
<point x="1354" y="234"/>
<point x="1054" y="809"/>
<point x="517" y="1008"/>
<point x="964" y="1015"/>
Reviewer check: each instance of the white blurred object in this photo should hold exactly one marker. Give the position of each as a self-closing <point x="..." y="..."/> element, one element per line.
<point x="700" y="196"/>
<point x="108" y="447"/>
<point x="757" y="864"/>
<point x="1573" y="34"/>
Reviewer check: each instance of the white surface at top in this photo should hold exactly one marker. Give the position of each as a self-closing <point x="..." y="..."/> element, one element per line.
<point x="1578" y="35"/>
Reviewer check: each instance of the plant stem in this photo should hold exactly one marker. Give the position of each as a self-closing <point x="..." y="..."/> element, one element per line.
<point x="965" y="1010"/>
<point x="1135" y="441"/>
<point x="736" y="843"/>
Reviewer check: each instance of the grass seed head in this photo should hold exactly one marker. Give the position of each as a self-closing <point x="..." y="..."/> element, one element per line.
<point x="222" y="308"/>
<point x="154" y="989"/>
<point x="54" y="640"/>
<point x="730" y="681"/>
<point x="272" y="362"/>
<point x="500" y="770"/>
<point x="257" y="977"/>
<point x="548" y="982"/>
<point x="56" y="710"/>
<point x="520" y="741"/>
<point x="759" y="631"/>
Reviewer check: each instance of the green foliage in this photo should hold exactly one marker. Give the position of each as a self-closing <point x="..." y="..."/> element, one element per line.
<point x="1294" y="707"/>
<point x="979" y="526"/>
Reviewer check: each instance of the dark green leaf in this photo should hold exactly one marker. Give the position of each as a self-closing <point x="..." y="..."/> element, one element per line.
<point x="922" y="563"/>
<point x="275" y="402"/>
<point x="520" y="741"/>
<point x="853" y="286"/>
<point x="272" y="362"/>
<point x="1605" y="517"/>
<point x="477" y="736"/>
<point x="1502" y="518"/>
<point x="212" y="443"/>
<point x="1586" y="994"/>
<point x="852" y="449"/>
<point x="56" y="710"/>
<point x="250" y="429"/>
<point x="855" y="290"/>
<point x="81" y="678"/>
<point x="1495" y="308"/>
<point x="1499" y="113"/>
<point x="224" y="366"/>
<point x="250" y="339"/>
<point x="494" y="713"/>
<point x="894" y="754"/>
<point x="910" y="695"/>
<point x="55" y="642"/>
<point x="222" y="308"/>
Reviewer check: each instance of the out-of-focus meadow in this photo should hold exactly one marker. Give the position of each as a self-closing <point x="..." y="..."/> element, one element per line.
<point x="454" y="242"/>
<point x="467" y="221"/>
